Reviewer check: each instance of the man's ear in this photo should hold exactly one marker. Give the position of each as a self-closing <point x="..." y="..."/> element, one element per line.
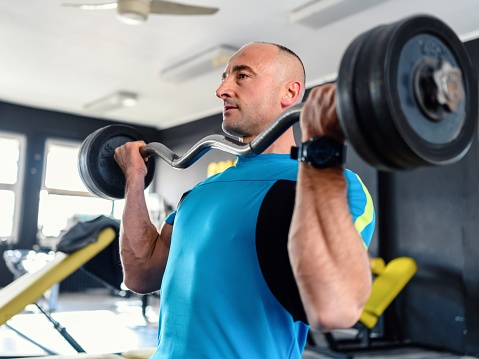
<point x="290" y="96"/>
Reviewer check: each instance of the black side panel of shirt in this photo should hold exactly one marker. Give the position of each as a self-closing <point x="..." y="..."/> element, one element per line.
<point x="272" y="229"/>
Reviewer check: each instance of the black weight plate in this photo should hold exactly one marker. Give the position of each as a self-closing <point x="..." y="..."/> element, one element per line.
<point x="375" y="115"/>
<point x="83" y="169"/>
<point x="430" y="142"/>
<point x="448" y="140"/>
<point x="372" y="137"/>
<point x="351" y="125"/>
<point x="89" y="168"/>
<point x="376" y="105"/>
<point x="450" y="125"/>
<point x="381" y="134"/>
<point x="98" y="169"/>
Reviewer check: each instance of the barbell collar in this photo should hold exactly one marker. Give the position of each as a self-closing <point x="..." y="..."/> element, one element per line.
<point x="450" y="90"/>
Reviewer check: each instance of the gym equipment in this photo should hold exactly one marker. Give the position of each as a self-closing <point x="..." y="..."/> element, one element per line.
<point x="30" y="287"/>
<point x="406" y="96"/>
<point x="97" y="167"/>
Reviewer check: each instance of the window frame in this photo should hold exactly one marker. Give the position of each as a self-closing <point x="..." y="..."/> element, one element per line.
<point x="17" y="187"/>
<point x="55" y="191"/>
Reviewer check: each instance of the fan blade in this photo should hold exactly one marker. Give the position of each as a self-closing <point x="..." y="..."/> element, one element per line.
<point x="105" y="6"/>
<point x="171" y="8"/>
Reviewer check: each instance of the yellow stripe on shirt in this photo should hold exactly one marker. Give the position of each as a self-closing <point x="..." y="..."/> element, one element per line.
<point x="363" y="220"/>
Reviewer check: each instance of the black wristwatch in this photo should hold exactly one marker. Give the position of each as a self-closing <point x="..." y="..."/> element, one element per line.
<point x="320" y="152"/>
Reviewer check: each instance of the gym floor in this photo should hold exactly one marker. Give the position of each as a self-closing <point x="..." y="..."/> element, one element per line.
<point x="102" y="323"/>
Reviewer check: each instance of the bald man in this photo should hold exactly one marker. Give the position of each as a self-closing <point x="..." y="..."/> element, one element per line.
<point x="256" y="255"/>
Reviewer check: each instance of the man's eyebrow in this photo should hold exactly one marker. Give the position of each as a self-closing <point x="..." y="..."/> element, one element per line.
<point x="239" y="68"/>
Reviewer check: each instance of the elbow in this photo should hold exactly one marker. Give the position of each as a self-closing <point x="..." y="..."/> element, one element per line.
<point x="339" y="314"/>
<point x="133" y="286"/>
<point x="339" y="317"/>
<point x="138" y="286"/>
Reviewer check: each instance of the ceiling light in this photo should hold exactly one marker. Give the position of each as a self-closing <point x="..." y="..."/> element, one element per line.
<point x="133" y="12"/>
<point x="113" y="102"/>
<point x="199" y="64"/>
<point x="318" y="13"/>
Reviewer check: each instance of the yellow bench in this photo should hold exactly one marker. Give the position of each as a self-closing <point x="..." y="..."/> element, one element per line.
<point x="28" y="288"/>
<point x="31" y="286"/>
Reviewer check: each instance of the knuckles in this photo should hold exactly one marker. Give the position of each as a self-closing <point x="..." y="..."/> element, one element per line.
<point x="319" y="116"/>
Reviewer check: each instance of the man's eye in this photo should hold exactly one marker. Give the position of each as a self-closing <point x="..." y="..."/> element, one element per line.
<point x="242" y="76"/>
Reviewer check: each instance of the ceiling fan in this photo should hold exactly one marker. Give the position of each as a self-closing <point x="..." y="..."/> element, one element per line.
<point x="135" y="12"/>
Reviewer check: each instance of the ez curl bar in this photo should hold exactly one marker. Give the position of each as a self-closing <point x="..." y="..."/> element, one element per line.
<point x="406" y="96"/>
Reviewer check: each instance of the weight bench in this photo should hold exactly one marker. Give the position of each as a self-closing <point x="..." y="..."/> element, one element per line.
<point x="389" y="281"/>
<point x="28" y="288"/>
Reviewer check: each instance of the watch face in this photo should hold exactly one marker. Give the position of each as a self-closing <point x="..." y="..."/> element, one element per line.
<point x="323" y="152"/>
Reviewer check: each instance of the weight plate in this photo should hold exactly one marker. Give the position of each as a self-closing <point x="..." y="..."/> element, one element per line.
<point x="427" y="141"/>
<point x="98" y="169"/>
<point x="423" y="124"/>
<point x="375" y="114"/>
<point x="382" y="136"/>
<point x="377" y="107"/>
<point x="356" y="113"/>
<point x="445" y="141"/>
<point x="353" y="125"/>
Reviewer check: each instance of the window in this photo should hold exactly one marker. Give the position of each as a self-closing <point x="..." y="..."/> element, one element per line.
<point x="12" y="162"/>
<point x="64" y="199"/>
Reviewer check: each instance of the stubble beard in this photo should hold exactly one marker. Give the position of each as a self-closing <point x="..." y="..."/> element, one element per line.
<point x="244" y="127"/>
<point x="233" y="130"/>
<point x="234" y="126"/>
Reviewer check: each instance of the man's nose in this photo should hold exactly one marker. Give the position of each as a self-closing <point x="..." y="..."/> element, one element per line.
<point x="224" y="90"/>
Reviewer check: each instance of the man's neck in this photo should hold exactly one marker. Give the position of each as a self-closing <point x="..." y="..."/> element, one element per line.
<point x="283" y="144"/>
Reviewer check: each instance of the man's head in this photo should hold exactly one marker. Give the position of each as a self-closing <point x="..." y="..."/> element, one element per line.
<point x="260" y="81"/>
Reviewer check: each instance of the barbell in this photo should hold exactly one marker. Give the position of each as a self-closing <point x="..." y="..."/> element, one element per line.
<point x="406" y="97"/>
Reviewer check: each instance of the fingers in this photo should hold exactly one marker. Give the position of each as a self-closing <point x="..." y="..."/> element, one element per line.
<point x="318" y="116"/>
<point x="129" y="158"/>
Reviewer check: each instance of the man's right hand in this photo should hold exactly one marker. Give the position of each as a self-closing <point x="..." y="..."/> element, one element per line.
<point x="318" y="116"/>
<point x="129" y="159"/>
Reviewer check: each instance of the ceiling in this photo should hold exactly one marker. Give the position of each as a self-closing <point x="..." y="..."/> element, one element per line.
<point x="61" y="58"/>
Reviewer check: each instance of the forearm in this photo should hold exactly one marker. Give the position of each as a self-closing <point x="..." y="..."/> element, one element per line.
<point x="143" y="254"/>
<point x="327" y="255"/>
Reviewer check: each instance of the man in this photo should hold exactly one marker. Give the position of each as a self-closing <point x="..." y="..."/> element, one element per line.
<point x="255" y="255"/>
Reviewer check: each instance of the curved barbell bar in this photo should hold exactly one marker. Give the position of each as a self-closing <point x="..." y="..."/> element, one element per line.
<point x="284" y="121"/>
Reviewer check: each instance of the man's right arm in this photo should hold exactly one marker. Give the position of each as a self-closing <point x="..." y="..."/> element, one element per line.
<point x="143" y="249"/>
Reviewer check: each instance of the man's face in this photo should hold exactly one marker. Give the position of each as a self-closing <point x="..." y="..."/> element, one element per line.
<point x="251" y="91"/>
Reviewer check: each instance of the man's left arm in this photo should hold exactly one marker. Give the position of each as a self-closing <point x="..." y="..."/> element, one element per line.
<point x="327" y="254"/>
